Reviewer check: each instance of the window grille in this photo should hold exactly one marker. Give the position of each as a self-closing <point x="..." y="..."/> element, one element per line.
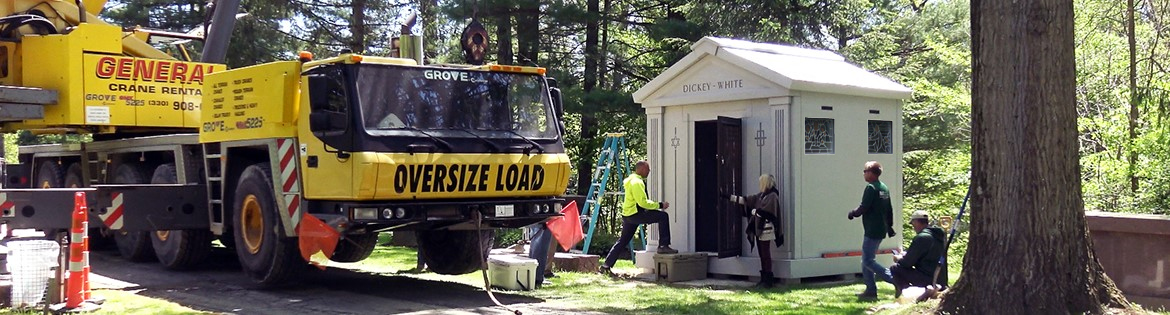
<point x="818" y="135"/>
<point x="881" y="138"/>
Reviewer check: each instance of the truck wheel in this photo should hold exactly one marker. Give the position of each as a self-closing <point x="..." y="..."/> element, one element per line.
<point x="73" y="176"/>
<point x="134" y="246"/>
<point x="454" y="252"/>
<point x="49" y="175"/>
<point x="178" y="249"/>
<point x="99" y="238"/>
<point x="265" y="255"/>
<point x="355" y="248"/>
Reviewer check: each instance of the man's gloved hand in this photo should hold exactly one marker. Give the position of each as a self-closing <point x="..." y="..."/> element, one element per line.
<point x="851" y="216"/>
<point x="891" y="233"/>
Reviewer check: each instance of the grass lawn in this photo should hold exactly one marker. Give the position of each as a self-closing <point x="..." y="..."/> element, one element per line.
<point x="595" y="292"/>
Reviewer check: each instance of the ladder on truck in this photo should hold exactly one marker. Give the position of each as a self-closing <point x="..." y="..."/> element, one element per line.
<point x="611" y="161"/>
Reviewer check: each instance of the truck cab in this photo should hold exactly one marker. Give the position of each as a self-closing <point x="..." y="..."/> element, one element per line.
<point x="369" y="144"/>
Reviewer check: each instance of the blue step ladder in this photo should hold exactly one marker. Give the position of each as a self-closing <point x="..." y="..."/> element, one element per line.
<point x="611" y="162"/>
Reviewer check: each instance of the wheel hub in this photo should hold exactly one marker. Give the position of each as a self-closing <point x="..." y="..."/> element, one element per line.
<point x="252" y="224"/>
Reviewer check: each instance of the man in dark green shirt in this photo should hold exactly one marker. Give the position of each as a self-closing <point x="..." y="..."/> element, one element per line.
<point x="638" y="209"/>
<point x="877" y="218"/>
<point x="916" y="267"/>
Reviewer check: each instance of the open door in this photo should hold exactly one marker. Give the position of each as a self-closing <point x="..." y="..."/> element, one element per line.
<point x="729" y="170"/>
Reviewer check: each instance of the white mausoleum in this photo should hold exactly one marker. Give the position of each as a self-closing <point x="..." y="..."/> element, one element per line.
<point x="731" y="110"/>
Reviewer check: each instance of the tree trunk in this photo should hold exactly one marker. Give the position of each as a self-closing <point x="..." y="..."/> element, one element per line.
<point x="358" y="27"/>
<point x="429" y="20"/>
<point x="504" y="36"/>
<point x="1029" y="250"/>
<point x="528" y="32"/>
<point x="1134" y="95"/>
<point x="588" y="119"/>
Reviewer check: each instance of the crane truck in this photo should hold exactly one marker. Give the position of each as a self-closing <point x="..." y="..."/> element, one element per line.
<point x="279" y="161"/>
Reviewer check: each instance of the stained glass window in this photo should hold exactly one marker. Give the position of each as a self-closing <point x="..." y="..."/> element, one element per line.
<point x="881" y="138"/>
<point x="818" y="135"/>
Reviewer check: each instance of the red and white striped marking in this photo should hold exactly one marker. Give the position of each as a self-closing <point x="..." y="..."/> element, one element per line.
<point x="290" y="185"/>
<point x="113" y="217"/>
<point x="6" y="206"/>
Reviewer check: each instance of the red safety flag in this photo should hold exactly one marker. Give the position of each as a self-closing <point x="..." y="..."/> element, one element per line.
<point x="316" y="239"/>
<point x="567" y="228"/>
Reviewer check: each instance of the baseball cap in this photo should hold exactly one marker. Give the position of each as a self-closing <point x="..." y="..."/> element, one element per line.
<point x="920" y="214"/>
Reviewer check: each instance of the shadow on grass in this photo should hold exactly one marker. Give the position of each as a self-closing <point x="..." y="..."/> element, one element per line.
<point x="588" y="291"/>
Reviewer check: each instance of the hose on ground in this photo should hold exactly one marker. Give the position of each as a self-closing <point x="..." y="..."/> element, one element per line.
<point x="487" y="285"/>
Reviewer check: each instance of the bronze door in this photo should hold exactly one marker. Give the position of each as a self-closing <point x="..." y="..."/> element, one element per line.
<point x="729" y="160"/>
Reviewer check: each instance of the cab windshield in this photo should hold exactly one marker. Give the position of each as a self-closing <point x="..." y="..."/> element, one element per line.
<point x="399" y="100"/>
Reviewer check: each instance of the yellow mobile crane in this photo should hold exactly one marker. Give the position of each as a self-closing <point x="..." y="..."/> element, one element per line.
<point x="279" y="160"/>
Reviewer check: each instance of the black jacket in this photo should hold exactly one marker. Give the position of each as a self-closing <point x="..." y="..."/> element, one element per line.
<point x="925" y="250"/>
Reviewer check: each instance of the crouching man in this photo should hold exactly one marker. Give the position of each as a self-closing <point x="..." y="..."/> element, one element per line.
<point x="917" y="265"/>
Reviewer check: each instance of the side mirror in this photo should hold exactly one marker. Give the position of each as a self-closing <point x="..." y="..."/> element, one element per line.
<point x="557" y="103"/>
<point x="318" y="92"/>
<point x="325" y="123"/>
<point x="558" y="108"/>
<point x="319" y="121"/>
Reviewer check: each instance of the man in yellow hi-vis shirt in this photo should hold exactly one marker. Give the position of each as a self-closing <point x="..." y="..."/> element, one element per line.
<point x="638" y="209"/>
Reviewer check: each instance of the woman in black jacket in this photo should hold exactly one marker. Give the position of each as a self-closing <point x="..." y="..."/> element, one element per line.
<point x="763" y="213"/>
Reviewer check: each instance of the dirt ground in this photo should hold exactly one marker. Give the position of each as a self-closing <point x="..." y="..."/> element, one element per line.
<point x="221" y="287"/>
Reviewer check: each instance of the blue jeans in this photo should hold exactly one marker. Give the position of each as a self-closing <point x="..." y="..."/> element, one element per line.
<point x="870" y="266"/>
<point x="630" y="225"/>
<point x="538" y="249"/>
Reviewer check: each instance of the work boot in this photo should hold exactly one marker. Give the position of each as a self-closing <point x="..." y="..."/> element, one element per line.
<point x="605" y="270"/>
<point x="766" y="279"/>
<point x="868" y="296"/>
<point x="665" y="249"/>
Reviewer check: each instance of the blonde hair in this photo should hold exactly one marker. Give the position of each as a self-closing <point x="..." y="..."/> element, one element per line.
<point x="767" y="182"/>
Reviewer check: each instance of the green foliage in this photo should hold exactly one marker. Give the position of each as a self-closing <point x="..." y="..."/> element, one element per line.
<point x="256" y="38"/>
<point x="178" y="15"/>
<point x="507" y="237"/>
<point x="10" y="150"/>
<point x="1104" y="100"/>
<point x="25" y="137"/>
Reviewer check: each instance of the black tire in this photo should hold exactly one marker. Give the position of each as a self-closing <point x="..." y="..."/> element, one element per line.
<point x="99" y="238"/>
<point x="73" y="176"/>
<point x="355" y="248"/>
<point x="134" y="246"/>
<point x="455" y="252"/>
<point x="178" y="249"/>
<point x="268" y="257"/>
<point x="49" y="175"/>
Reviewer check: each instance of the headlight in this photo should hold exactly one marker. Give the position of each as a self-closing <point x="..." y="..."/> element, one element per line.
<point x="400" y="213"/>
<point x="365" y="213"/>
<point x="546" y="208"/>
<point x="535" y="208"/>
<point x="388" y="213"/>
